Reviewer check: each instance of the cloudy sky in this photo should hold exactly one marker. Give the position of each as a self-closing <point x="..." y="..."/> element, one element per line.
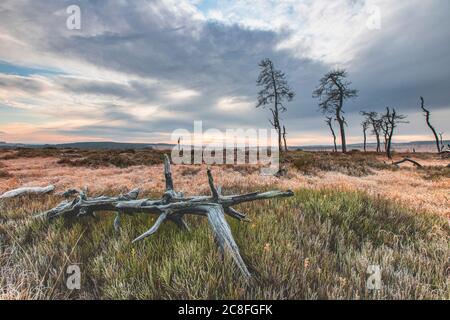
<point x="139" y="69"/>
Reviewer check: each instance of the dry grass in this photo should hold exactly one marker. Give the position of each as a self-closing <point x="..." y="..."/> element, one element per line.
<point x="435" y="172"/>
<point x="89" y="158"/>
<point x="317" y="244"/>
<point x="4" y="174"/>
<point x="353" y="163"/>
<point x="424" y="190"/>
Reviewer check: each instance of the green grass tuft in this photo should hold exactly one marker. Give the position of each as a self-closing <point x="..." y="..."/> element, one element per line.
<point x="315" y="245"/>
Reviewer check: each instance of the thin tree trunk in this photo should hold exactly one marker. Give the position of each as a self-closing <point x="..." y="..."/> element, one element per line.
<point x="388" y="144"/>
<point x="344" y="143"/>
<point x="377" y="135"/>
<point x="365" y="140"/>
<point x="378" y="143"/>
<point x="427" y="117"/>
<point x="342" y="129"/>
<point x="341" y="125"/>
<point x="284" y="138"/>
<point x="333" y="134"/>
<point x="391" y="128"/>
<point x="277" y="120"/>
<point x="280" y="145"/>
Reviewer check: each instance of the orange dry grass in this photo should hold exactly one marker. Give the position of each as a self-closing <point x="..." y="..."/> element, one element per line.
<point x="405" y="186"/>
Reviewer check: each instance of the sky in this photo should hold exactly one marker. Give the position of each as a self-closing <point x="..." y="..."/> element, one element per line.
<point x="136" y="70"/>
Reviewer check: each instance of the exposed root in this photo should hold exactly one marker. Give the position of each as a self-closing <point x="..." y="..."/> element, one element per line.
<point x="172" y="206"/>
<point x="407" y="160"/>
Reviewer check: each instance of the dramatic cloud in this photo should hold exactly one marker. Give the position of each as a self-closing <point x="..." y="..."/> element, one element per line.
<point x="137" y="70"/>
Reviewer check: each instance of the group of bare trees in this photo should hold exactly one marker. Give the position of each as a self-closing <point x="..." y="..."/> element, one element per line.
<point x="332" y="92"/>
<point x="384" y="124"/>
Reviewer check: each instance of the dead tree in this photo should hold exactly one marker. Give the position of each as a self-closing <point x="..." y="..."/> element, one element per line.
<point x="275" y="90"/>
<point x="427" y="117"/>
<point x="173" y="206"/>
<point x="332" y="91"/>
<point x="284" y="139"/>
<point x="365" y="125"/>
<point x="376" y="129"/>
<point x="385" y="128"/>
<point x="393" y="119"/>
<point x="329" y="121"/>
<point x="375" y="122"/>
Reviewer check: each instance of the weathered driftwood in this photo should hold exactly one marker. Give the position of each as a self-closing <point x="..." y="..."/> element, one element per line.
<point x="172" y="206"/>
<point x="407" y="160"/>
<point x="27" y="190"/>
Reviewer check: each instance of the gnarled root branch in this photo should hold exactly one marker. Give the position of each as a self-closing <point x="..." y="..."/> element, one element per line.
<point x="27" y="190"/>
<point x="172" y="206"/>
<point x="407" y="160"/>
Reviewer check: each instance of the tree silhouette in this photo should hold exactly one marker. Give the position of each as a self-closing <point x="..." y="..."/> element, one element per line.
<point x="329" y="121"/>
<point x="427" y="117"/>
<point x="372" y="118"/>
<point x="275" y="91"/>
<point x="384" y="126"/>
<point x="392" y="120"/>
<point x="332" y="92"/>
<point x="365" y="125"/>
<point x="284" y="139"/>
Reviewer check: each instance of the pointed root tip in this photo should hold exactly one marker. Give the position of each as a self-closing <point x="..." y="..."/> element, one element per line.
<point x="138" y="239"/>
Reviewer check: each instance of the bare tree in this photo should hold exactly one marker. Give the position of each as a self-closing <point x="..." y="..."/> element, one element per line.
<point x="375" y="122"/>
<point x="275" y="90"/>
<point x="329" y="121"/>
<point x="332" y="91"/>
<point x="427" y="117"/>
<point x="393" y="119"/>
<point x="384" y="126"/>
<point x="365" y="125"/>
<point x="284" y="139"/>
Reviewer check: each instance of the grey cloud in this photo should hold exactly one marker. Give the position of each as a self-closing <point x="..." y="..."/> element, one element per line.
<point x="148" y="39"/>
<point x="28" y="84"/>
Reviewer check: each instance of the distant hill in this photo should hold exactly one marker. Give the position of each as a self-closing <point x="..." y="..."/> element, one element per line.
<point x="419" y="146"/>
<point x="91" y="145"/>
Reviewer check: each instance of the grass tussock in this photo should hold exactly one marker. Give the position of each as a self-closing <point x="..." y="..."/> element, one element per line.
<point x="4" y="174"/>
<point x="89" y="158"/>
<point x="117" y="158"/>
<point x="353" y="163"/>
<point x="435" y="172"/>
<point x="315" y="245"/>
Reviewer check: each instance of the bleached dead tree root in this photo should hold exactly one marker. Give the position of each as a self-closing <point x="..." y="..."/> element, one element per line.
<point x="173" y="206"/>
<point x="27" y="190"/>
